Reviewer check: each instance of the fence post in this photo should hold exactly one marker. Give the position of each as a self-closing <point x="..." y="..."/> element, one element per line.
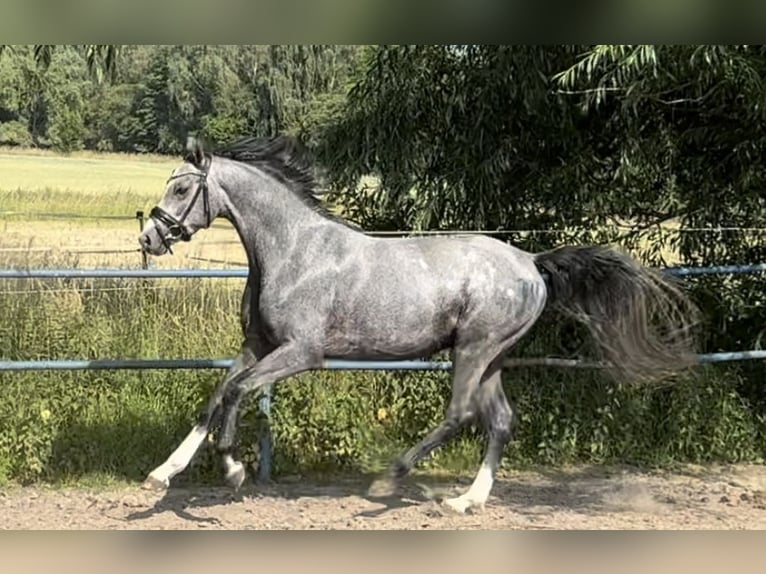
<point x="144" y="258"/>
<point x="264" y="458"/>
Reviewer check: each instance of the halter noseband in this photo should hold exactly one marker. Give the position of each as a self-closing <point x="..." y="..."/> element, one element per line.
<point x="175" y="227"/>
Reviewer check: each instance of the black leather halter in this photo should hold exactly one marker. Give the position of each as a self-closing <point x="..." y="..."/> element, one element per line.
<point x="176" y="229"/>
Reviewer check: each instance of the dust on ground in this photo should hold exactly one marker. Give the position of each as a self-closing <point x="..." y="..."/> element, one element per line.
<point x="695" y="498"/>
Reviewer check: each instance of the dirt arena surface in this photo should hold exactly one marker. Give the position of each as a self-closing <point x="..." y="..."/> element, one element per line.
<point x="697" y="498"/>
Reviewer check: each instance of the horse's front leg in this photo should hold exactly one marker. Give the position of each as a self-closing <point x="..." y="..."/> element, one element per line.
<point x="159" y="478"/>
<point x="287" y="360"/>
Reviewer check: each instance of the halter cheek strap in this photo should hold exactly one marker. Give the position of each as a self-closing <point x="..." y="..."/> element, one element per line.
<point x="175" y="226"/>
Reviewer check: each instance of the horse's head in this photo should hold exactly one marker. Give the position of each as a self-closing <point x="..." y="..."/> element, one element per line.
<point x="190" y="203"/>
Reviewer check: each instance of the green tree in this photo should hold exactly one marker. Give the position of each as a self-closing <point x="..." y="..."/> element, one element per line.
<point x="48" y="98"/>
<point x="67" y="131"/>
<point x="67" y="89"/>
<point x="157" y="95"/>
<point x="615" y="144"/>
<point x="109" y="120"/>
<point x="286" y="81"/>
<point x="470" y="136"/>
<point x="101" y="59"/>
<point x="688" y="122"/>
<point x="692" y="121"/>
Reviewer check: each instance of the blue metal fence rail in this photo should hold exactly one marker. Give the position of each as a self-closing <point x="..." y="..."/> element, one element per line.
<point x="331" y="364"/>
<point x="328" y="364"/>
<point x="138" y="364"/>
<point x="121" y="273"/>
<point x="242" y="272"/>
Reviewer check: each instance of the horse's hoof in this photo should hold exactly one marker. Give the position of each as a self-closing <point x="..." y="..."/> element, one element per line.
<point x="461" y="505"/>
<point x="383" y="488"/>
<point x="235" y="475"/>
<point x="155" y="484"/>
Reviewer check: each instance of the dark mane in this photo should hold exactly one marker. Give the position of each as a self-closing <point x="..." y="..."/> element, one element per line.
<point x="286" y="159"/>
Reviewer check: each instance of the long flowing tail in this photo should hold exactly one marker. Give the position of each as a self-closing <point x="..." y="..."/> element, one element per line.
<point x="641" y="321"/>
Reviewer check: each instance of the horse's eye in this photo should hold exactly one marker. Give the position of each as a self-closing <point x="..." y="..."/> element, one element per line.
<point x="181" y="190"/>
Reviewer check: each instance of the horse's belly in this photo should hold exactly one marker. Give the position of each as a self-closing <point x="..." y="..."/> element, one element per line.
<point x="382" y="336"/>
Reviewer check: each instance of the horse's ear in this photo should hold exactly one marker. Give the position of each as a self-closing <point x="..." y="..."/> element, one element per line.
<point x="195" y="152"/>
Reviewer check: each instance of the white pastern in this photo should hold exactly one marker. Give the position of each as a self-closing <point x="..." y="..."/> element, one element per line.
<point x="477" y="495"/>
<point x="181" y="457"/>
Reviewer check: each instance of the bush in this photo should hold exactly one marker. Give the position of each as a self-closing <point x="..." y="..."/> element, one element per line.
<point x="67" y="131"/>
<point x="15" y="133"/>
<point x="222" y="129"/>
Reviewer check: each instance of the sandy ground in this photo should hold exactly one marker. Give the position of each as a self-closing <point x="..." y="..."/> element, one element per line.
<point x="693" y="499"/>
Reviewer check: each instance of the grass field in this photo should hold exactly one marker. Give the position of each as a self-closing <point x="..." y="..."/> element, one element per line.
<point x="61" y="210"/>
<point x="109" y="175"/>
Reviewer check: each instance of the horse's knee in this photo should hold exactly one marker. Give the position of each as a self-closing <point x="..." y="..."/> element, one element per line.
<point x="459" y="417"/>
<point x="502" y="432"/>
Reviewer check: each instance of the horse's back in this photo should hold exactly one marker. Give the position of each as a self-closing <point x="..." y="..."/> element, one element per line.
<point x="440" y="262"/>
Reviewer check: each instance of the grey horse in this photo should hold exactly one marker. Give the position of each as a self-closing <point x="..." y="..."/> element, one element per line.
<point x="320" y="288"/>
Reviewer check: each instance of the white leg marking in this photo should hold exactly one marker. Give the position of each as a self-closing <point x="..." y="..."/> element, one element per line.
<point x="478" y="494"/>
<point x="180" y="458"/>
<point x="235" y="471"/>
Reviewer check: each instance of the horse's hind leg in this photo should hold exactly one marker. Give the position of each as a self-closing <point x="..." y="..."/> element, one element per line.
<point x="497" y="417"/>
<point x="468" y="368"/>
<point x="476" y="390"/>
<point x="160" y="477"/>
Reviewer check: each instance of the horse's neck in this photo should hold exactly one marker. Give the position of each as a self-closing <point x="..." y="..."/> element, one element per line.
<point x="269" y="219"/>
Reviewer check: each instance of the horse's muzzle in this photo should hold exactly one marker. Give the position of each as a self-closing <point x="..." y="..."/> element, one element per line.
<point x="151" y="242"/>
